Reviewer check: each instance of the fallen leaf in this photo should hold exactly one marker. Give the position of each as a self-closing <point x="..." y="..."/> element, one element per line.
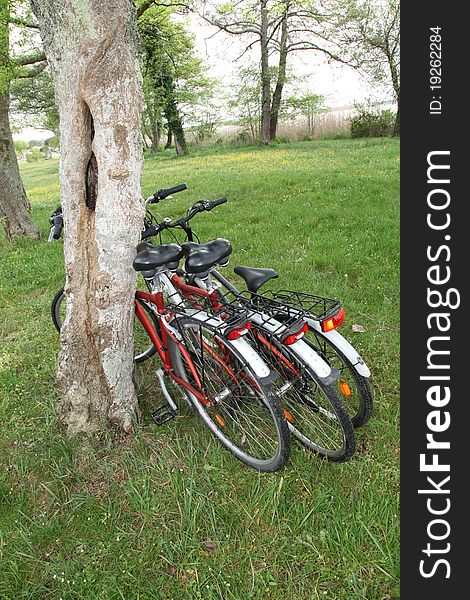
<point x="358" y="328"/>
<point x="209" y="544"/>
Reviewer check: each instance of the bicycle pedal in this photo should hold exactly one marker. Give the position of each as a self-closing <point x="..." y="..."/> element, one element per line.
<point x="162" y="414"/>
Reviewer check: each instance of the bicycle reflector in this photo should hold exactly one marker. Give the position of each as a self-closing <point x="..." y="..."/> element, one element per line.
<point x="235" y="332"/>
<point x="294" y="337"/>
<point x="333" y="322"/>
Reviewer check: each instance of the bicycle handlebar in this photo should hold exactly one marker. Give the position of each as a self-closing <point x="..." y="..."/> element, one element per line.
<point x="215" y="203"/>
<point x="57" y="224"/>
<point x="165" y="192"/>
<point x="183" y="223"/>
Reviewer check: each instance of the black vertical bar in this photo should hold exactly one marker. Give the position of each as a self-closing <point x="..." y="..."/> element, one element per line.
<point x="434" y="120"/>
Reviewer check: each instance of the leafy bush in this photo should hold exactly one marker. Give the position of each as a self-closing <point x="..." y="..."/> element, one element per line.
<point x="372" y="124"/>
<point x="34" y="155"/>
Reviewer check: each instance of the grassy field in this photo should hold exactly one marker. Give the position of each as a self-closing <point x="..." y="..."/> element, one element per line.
<point x="168" y="513"/>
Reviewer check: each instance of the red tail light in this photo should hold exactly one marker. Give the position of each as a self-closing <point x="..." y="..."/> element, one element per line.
<point x="294" y="337"/>
<point x="333" y="322"/>
<point x="234" y="334"/>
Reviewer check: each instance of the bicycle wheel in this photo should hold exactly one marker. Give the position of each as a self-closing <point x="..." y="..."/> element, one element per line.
<point x="143" y="348"/>
<point x="238" y="409"/>
<point x="58" y="309"/>
<point x="314" y="411"/>
<point x="353" y="389"/>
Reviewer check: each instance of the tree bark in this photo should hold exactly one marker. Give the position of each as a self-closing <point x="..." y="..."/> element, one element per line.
<point x="396" y="126"/>
<point x="92" y="50"/>
<point x="265" y="76"/>
<point x="281" y="75"/>
<point x="14" y="205"/>
<point x="396" y="90"/>
<point x="155" y="138"/>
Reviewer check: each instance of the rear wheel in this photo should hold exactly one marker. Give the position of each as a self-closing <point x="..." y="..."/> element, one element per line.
<point x="314" y="412"/>
<point x="353" y="389"/>
<point x="143" y="347"/>
<point x="237" y="408"/>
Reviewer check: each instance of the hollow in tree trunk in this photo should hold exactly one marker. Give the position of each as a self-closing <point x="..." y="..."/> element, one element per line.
<point x="94" y="58"/>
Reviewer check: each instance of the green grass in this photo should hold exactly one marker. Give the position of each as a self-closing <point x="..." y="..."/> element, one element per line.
<point x="130" y="517"/>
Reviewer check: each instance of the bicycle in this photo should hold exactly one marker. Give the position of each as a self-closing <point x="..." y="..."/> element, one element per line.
<point x="352" y="384"/>
<point x="218" y="372"/>
<point x="313" y="410"/>
<point x="317" y="379"/>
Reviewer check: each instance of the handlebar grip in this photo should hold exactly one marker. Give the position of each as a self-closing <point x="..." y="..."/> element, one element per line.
<point x="175" y="189"/>
<point x="150" y="232"/>
<point x="164" y="193"/>
<point x="57" y="224"/>
<point x="56" y="231"/>
<point x="214" y="203"/>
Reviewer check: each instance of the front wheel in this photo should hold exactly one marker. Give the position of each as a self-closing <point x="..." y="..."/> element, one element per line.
<point x="234" y="404"/>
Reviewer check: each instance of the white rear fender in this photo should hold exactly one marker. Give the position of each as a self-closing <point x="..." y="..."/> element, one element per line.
<point x="343" y="346"/>
<point x="252" y="358"/>
<point x="309" y="357"/>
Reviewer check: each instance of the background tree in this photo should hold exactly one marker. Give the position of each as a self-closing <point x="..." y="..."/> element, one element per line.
<point x="93" y="53"/>
<point x="308" y="105"/>
<point x="33" y="98"/>
<point x="246" y="100"/>
<point x="14" y="205"/>
<point x="175" y="81"/>
<point x="367" y="34"/>
<point x="280" y="27"/>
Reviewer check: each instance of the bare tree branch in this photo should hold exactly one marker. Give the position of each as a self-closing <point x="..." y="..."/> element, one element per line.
<point x="30" y="59"/>
<point x="23" y="23"/>
<point x="32" y="72"/>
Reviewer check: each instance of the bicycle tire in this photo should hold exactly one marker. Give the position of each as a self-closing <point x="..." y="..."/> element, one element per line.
<point x="354" y="389"/>
<point x="314" y="410"/>
<point x="147" y="351"/>
<point x="55" y="308"/>
<point x="245" y="395"/>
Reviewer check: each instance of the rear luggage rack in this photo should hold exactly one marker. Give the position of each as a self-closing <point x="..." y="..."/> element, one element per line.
<point x="318" y="308"/>
<point x="219" y="316"/>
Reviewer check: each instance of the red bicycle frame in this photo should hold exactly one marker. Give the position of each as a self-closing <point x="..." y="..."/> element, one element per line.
<point x="160" y="339"/>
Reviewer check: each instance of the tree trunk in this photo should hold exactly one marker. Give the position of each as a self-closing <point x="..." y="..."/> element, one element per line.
<point x="265" y="76"/>
<point x="14" y="205"/>
<point x="180" y="151"/>
<point x="396" y="127"/>
<point x="94" y="58"/>
<point x="13" y="213"/>
<point x="155" y="138"/>
<point x="169" y="139"/>
<point x="281" y="76"/>
<point x="395" y="76"/>
<point x="176" y="127"/>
